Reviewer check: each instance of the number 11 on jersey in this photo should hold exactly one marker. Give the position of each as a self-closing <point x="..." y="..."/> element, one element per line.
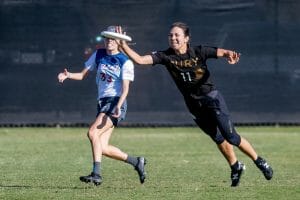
<point x="186" y="76"/>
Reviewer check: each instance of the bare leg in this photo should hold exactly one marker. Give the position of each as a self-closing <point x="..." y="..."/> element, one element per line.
<point x="227" y="151"/>
<point x="247" y="148"/>
<point x="113" y="152"/>
<point x="237" y="168"/>
<point x="101" y="125"/>
<point x="261" y="163"/>
<point x="109" y="150"/>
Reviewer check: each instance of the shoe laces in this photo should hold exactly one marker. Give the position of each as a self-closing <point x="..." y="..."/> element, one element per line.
<point x="264" y="164"/>
<point x="235" y="176"/>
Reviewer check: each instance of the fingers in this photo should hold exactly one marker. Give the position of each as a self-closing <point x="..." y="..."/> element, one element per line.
<point x="66" y="72"/>
<point x="62" y="76"/>
<point x="117" y="113"/>
<point x="119" y="29"/>
<point x="233" y="57"/>
<point x="235" y="54"/>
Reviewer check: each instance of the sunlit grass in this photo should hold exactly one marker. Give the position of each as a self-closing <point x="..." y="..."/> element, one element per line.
<point x="183" y="163"/>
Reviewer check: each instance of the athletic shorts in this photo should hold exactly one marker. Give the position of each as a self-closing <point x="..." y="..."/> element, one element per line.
<point x="212" y="116"/>
<point x="107" y="105"/>
<point x="202" y="106"/>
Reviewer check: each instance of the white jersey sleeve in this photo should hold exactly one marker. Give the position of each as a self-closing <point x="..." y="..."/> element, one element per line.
<point x="90" y="64"/>
<point x="128" y="71"/>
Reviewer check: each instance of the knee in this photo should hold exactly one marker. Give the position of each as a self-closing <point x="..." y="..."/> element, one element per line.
<point x="234" y="139"/>
<point x="218" y="138"/>
<point x="228" y="131"/>
<point x="91" y="134"/>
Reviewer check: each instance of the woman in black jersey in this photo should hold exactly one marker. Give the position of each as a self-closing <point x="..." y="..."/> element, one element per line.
<point x="187" y="66"/>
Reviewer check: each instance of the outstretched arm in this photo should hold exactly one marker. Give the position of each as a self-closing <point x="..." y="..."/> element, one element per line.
<point x="141" y="60"/>
<point x="232" y="56"/>
<point x="74" y="76"/>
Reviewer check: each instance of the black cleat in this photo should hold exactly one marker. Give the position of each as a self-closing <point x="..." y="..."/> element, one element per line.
<point x="236" y="174"/>
<point x="92" y="178"/>
<point x="140" y="168"/>
<point x="264" y="167"/>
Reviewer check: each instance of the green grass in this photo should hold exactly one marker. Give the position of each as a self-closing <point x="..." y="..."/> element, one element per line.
<point x="183" y="163"/>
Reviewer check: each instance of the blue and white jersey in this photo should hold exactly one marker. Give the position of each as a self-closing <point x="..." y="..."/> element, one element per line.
<point x="111" y="70"/>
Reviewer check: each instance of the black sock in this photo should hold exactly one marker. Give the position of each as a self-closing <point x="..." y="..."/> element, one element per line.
<point x="132" y="160"/>
<point x="235" y="166"/>
<point x="96" y="168"/>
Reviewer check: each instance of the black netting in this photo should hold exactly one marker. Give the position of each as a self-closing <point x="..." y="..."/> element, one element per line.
<point x="38" y="39"/>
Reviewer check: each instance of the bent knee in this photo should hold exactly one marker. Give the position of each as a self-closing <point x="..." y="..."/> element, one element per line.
<point x="234" y="139"/>
<point x="92" y="134"/>
<point x="217" y="138"/>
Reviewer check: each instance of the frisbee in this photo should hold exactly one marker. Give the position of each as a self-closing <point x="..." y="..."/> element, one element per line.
<point x="114" y="35"/>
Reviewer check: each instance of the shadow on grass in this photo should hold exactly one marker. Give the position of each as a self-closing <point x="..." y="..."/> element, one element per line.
<point x="48" y="187"/>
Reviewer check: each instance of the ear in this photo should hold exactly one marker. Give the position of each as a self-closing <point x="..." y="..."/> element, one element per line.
<point x="187" y="39"/>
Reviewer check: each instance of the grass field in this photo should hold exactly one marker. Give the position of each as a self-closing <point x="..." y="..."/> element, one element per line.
<point x="183" y="163"/>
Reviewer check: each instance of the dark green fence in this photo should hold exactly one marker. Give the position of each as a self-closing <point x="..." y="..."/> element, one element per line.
<point x="38" y="39"/>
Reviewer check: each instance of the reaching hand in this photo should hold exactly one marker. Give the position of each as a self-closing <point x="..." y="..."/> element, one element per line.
<point x="233" y="57"/>
<point x="119" y="30"/>
<point x="63" y="76"/>
<point x="117" y="112"/>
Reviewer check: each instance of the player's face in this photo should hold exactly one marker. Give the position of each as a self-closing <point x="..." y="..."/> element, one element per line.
<point x="111" y="44"/>
<point x="177" y="40"/>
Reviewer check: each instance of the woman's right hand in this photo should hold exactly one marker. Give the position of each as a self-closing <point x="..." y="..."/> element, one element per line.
<point x="119" y="30"/>
<point x="63" y="76"/>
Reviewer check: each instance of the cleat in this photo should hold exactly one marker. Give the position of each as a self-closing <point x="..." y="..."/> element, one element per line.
<point x="92" y="178"/>
<point x="264" y="167"/>
<point x="140" y="168"/>
<point x="236" y="175"/>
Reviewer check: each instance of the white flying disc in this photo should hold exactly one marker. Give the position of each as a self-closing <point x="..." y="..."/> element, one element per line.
<point x="114" y="35"/>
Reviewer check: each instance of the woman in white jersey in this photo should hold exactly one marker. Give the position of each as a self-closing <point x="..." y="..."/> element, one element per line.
<point x="114" y="72"/>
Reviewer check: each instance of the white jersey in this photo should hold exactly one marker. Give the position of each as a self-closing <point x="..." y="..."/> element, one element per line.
<point x="111" y="70"/>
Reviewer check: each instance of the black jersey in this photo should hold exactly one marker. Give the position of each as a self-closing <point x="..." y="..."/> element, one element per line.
<point x="189" y="70"/>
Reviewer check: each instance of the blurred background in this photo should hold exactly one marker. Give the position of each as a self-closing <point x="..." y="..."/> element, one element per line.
<point x="39" y="38"/>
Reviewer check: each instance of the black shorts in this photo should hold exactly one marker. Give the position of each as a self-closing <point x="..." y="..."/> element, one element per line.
<point x="107" y="105"/>
<point x="206" y="105"/>
<point x="212" y="116"/>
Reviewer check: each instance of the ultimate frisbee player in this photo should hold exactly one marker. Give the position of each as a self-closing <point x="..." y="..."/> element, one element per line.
<point x="114" y="72"/>
<point x="187" y="66"/>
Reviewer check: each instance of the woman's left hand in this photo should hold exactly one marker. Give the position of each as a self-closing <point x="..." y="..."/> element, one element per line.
<point x="117" y="112"/>
<point x="233" y="57"/>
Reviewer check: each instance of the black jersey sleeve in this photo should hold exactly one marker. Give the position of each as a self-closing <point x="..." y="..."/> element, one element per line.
<point x="162" y="57"/>
<point x="158" y="57"/>
<point x="207" y="51"/>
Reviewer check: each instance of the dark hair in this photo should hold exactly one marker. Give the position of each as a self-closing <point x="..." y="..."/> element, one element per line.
<point x="183" y="26"/>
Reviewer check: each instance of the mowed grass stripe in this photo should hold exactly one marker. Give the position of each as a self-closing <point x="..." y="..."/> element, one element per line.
<point x="183" y="163"/>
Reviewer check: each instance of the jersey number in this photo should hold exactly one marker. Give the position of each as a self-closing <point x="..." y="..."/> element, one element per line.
<point x="105" y="77"/>
<point x="186" y="76"/>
